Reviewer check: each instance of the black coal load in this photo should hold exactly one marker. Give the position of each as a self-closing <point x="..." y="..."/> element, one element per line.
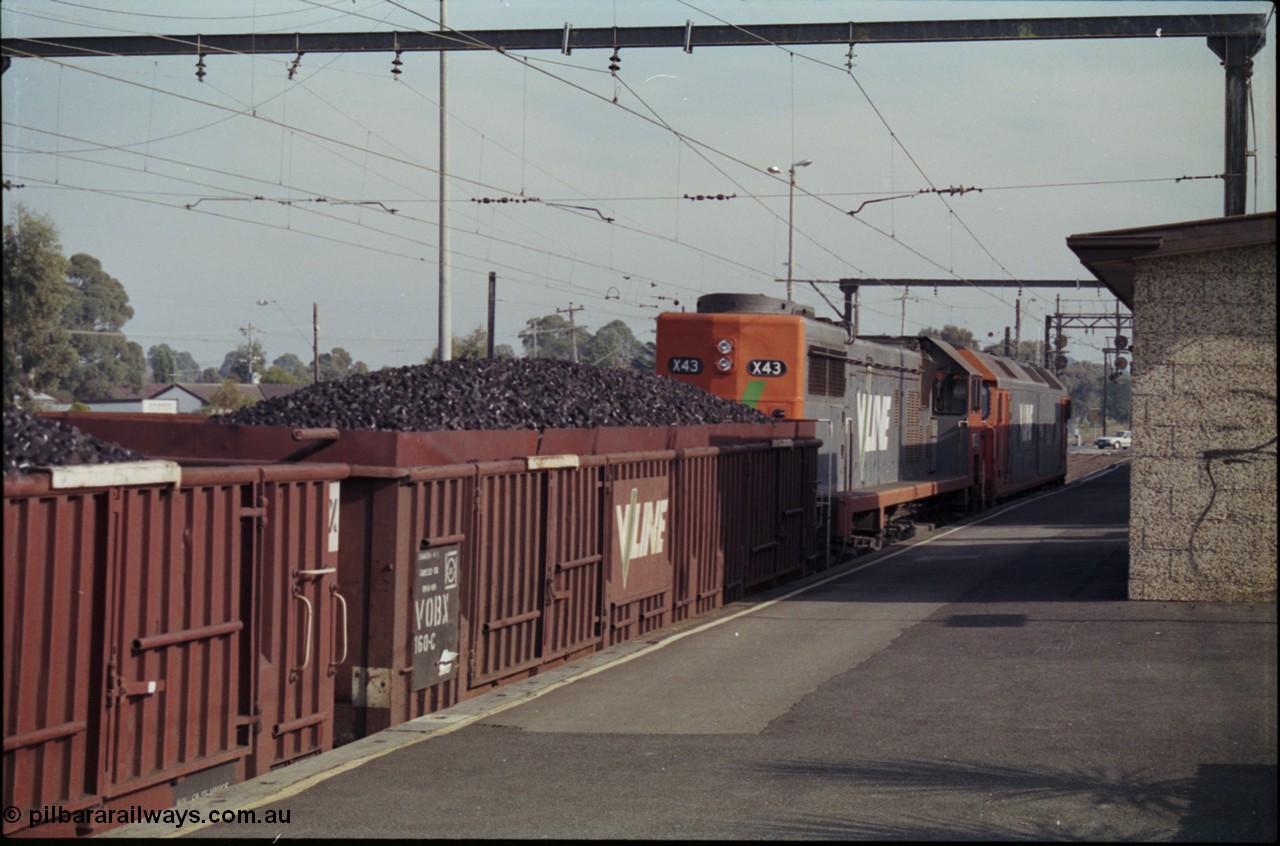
<point x="34" y="441"/>
<point x="503" y="393"/>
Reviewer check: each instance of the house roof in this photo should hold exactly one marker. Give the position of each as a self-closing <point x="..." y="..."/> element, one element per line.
<point x="1111" y="255"/>
<point x="205" y="390"/>
<point x="200" y="390"/>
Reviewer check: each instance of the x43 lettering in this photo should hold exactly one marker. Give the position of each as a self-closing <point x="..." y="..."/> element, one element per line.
<point x="767" y="367"/>
<point x="684" y="364"/>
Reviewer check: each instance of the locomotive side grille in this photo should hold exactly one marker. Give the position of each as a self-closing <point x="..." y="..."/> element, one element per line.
<point x="826" y="372"/>
<point x="913" y="445"/>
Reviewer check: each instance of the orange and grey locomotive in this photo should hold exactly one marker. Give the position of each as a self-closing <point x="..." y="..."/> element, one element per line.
<point x="913" y="423"/>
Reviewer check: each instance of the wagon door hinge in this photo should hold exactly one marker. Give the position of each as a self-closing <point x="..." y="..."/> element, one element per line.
<point x="115" y="683"/>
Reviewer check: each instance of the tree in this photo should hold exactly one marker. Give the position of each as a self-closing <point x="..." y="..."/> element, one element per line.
<point x="1032" y="351"/>
<point x="184" y="367"/>
<point x="228" y="397"/>
<point x="551" y="336"/>
<point x="473" y="346"/>
<point x="95" y="313"/>
<point x="295" y="367"/>
<point x="277" y="375"/>
<point x="647" y="358"/>
<point x="614" y="345"/>
<point x="37" y="347"/>
<point x="1083" y="381"/>
<point x="209" y="376"/>
<point x="242" y="362"/>
<point x="163" y="366"/>
<point x="953" y="335"/>
<point x="337" y="364"/>
<point x="1120" y="399"/>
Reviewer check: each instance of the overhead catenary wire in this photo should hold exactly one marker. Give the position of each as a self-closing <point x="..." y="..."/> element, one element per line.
<point x="366" y="145"/>
<point x="252" y="113"/>
<point x="398" y="160"/>
<point x="683" y="137"/>
<point x="548" y="281"/>
<point x="848" y="70"/>
<point x="896" y="141"/>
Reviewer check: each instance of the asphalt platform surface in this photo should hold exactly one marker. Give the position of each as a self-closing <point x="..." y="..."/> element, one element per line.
<point x="989" y="681"/>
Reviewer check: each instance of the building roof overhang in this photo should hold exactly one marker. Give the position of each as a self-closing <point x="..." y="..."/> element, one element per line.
<point x="1112" y="256"/>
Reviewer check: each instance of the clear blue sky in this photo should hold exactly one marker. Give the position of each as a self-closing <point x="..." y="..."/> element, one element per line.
<point x="152" y="171"/>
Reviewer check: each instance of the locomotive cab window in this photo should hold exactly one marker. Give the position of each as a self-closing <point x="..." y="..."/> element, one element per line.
<point x="950" y="392"/>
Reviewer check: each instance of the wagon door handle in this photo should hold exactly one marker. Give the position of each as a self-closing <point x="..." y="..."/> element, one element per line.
<point x="306" y="659"/>
<point x="333" y="589"/>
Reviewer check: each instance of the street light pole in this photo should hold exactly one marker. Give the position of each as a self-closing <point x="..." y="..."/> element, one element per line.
<point x="315" y="333"/>
<point x="791" y="231"/>
<point x="791" y="218"/>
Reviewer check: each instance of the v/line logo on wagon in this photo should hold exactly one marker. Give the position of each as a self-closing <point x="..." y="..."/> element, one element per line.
<point x="640" y="508"/>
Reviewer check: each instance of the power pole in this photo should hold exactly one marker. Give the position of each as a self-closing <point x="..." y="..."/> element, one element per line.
<point x="315" y="342"/>
<point x="493" y="299"/>
<point x="1017" y="325"/>
<point x="573" y="329"/>
<point x="445" y="316"/>
<point x="248" y="331"/>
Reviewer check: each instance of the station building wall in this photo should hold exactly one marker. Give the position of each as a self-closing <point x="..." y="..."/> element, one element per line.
<point x="1203" y="502"/>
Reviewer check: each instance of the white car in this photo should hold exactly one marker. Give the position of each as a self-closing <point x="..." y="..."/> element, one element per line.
<point x="1120" y="440"/>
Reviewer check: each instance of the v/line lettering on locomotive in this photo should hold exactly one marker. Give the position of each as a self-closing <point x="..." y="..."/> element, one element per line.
<point x="874" y="411"/>
<point x="1026" y="420"/>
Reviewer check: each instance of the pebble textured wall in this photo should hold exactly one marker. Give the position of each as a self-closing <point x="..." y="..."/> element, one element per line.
<point x="1203" y="502"/>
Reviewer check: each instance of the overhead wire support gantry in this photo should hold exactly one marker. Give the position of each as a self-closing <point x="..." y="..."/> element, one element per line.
<point x="610" y="38"/>
<point x="852" y="287"/>
<point x="1235" y="39"/>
